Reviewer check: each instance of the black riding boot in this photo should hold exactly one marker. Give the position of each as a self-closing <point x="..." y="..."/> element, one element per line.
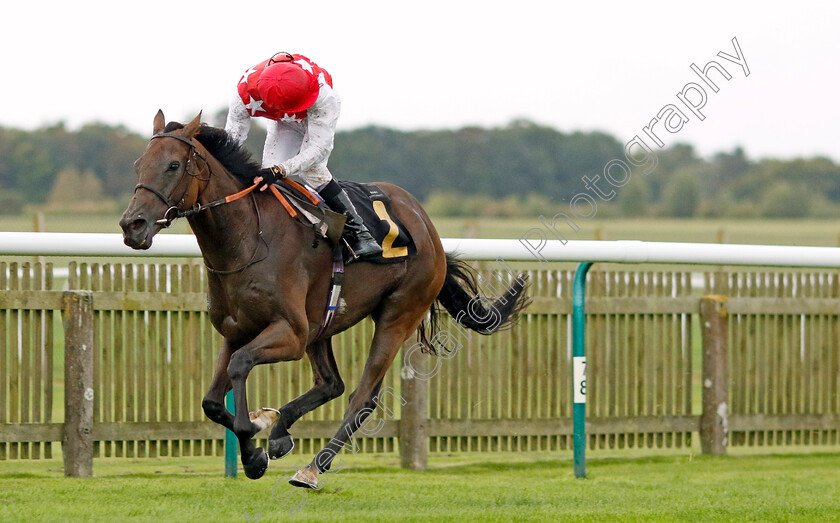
<point x="361" y="242"/>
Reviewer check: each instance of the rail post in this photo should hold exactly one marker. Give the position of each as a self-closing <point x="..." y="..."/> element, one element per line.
<point x="77" y="439"/>
<point x="714" y="421"/>
<point x="414" y="442"/>
<point x="579" y="368"/>
<point x="231" y="443"/>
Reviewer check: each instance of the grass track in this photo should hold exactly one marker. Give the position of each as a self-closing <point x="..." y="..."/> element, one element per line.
<point x="476" y="487"/>
<point x="649" y="486"/>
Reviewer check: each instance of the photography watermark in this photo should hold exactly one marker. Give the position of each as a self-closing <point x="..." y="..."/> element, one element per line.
<point x="639" y="150"/>
<point x="481" y="310"/>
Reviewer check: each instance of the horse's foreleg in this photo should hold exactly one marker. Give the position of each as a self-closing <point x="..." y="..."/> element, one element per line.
<point x="276" y="343"/>
<point x="214" y="401"/>
<point x="326" y="385"/>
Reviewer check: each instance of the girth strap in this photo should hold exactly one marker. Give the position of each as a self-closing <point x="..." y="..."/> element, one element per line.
<point x="334" y="296"/>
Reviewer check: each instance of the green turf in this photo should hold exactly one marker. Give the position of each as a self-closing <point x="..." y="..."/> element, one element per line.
<point x="643" y="486"/>
<point x="666" y="486"/>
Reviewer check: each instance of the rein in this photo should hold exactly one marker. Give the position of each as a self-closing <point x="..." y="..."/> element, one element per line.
<point x="254" y="258"/>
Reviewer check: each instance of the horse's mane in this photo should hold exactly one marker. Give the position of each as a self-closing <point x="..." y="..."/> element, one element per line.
<point x="234" y="157"/>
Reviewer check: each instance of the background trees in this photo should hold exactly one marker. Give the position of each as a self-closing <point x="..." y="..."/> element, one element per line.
<point x="521" y="169"/>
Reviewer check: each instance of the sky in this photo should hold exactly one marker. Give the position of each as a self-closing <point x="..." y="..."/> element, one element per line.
<point x="576" y="66"/>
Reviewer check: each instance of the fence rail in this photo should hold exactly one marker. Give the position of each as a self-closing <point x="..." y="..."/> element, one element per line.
<point x="154" y="351"/>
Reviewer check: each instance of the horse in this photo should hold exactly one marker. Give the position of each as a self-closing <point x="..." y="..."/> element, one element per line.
<point x="269" y="278"/>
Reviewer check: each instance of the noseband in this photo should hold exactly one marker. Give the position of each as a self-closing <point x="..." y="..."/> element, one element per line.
<point x="173" y="209"/>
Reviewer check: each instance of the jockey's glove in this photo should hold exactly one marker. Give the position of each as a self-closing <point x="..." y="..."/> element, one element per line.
<point x="270" y="175"/>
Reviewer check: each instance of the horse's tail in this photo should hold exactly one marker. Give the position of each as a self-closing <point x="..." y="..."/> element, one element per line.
<point x="461" y="299"/>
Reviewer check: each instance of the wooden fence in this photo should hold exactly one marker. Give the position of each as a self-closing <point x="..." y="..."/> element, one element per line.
<point x="154" y="351"/>
<point x="27" y="363"/>
<point x="784" y="356"/>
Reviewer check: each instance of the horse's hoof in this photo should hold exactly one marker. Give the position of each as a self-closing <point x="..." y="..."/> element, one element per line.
<point x="277" y="448"/>
<point x="264" y="418"/>
<point x="257" y="467"/>
<point x="307" y="477"/>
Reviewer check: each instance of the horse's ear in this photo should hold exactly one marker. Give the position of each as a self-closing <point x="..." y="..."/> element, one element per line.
<point x="191" y="129"/>
<point x="160" y="123"/>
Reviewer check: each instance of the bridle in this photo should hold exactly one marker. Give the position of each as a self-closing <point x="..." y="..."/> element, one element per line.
<point x="182" y="209"/>
<point x="174" y="209"/>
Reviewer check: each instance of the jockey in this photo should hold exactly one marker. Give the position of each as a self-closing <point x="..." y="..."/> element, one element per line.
<point x="296" y="95"/>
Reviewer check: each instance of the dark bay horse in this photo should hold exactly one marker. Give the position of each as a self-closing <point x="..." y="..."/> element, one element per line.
<point x="269" y="280"/>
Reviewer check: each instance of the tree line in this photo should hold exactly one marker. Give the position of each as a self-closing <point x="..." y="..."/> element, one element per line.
<point x="521" y="169"/>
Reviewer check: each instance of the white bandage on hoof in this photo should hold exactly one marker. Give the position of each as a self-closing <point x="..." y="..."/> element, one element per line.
<point x="265" y="417"/>
<point x="306" y="477"/>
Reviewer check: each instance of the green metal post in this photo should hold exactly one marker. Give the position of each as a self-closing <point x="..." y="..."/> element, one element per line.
<point x="231" y="444"/>
<point x="579" y="368"/>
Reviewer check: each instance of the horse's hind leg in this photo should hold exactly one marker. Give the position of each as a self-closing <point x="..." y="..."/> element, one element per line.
<point x="327" y="385"/>
<point x="386" y="343"/>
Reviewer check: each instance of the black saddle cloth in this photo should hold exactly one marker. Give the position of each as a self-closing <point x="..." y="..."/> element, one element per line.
<point x="374" y="207"/>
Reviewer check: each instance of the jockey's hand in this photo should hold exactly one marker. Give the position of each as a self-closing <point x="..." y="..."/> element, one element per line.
<point x="269" y="176"/>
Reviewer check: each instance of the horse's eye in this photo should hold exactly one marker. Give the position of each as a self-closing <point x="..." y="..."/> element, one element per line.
<point x="174" y="166"/>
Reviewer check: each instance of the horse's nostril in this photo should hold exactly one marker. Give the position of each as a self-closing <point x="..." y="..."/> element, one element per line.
<point x="136" y="225"/>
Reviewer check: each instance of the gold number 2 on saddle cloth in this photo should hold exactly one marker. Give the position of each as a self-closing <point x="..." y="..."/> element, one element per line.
<point x="388" y="249"/>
